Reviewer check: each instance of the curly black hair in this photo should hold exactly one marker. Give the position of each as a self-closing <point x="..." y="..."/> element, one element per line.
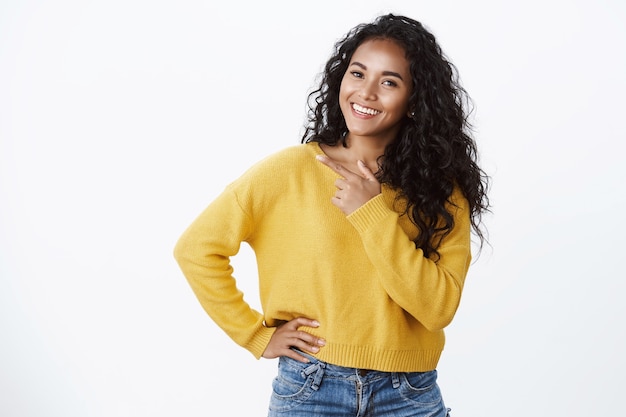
<point x="434" y="151"/>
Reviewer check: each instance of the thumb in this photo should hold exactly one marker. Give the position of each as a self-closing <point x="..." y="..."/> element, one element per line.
<point x="366" y="171"/>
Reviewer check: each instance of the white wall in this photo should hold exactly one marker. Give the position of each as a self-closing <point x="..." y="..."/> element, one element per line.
<point x="120" y="120"/>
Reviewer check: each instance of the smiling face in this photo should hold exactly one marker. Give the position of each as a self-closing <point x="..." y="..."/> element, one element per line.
<point x="375" y="90"/>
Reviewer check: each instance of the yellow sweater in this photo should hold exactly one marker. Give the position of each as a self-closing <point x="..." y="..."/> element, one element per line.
<point x="380" y="303"/>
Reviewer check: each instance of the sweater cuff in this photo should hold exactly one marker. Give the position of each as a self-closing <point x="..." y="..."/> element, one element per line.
<point x="369" y="214"/>
<point x="259" y="342"/>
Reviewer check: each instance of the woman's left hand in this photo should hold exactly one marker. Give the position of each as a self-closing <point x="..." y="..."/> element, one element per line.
<point x="353" y="190"/>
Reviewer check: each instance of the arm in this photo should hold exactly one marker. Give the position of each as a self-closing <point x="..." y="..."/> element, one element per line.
<point x="203" y="253"/>
<point x="430" y="291"/>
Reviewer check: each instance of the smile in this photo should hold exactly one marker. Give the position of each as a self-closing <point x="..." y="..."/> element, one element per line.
<point x="364" y="110"/>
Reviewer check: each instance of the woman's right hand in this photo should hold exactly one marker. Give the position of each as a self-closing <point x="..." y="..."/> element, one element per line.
<point x="287" y="336"/>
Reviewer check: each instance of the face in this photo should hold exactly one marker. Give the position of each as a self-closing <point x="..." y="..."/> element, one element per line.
<point x="375" y="91"/>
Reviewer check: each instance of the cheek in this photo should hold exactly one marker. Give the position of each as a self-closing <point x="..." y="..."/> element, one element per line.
<point x="402" y="105"/>
<point x="343" y="98"/>
<point x="343" y="89"/>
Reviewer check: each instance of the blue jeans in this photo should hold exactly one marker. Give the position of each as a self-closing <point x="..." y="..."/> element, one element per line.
<point x="322" y="389"/>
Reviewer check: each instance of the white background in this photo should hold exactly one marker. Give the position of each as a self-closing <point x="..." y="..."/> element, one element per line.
<point x="121" y="120"/>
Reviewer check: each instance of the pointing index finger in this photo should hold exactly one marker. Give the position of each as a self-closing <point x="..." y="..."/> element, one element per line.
<point x="334" y="165"/>
<point x="328" y="162"/>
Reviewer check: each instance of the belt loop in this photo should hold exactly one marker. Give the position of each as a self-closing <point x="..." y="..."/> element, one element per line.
<point x="395" y="380"/>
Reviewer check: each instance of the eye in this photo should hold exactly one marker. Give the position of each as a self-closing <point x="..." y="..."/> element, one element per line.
<point x="390" y="83"/>
<point x="357" y="74"/>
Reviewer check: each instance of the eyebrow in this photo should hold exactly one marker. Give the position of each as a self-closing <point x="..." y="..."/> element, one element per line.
<point x="388" y="73"/>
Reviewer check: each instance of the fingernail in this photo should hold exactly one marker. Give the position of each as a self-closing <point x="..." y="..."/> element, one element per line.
<point x="319" y="157"/>
<point x="321" y="342"/>
<point x="314" y="348"/>
<point x="315" y="323"/>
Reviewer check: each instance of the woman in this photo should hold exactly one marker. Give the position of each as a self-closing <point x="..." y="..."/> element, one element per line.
<point x="361" y="233"/>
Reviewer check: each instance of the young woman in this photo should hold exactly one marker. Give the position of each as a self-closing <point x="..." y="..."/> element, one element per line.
<point x="361" y="233"/>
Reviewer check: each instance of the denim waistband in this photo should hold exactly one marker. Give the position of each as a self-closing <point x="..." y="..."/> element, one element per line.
<point x="343" y="371"/>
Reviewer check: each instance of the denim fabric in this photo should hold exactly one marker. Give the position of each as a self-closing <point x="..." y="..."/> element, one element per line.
<point x="321" y="389"/>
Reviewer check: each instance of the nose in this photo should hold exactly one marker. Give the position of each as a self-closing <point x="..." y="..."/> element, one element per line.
<point x="368" y="90"/>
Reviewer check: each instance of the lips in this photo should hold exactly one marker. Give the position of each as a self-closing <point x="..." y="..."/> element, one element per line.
<point x="366" y="111"/>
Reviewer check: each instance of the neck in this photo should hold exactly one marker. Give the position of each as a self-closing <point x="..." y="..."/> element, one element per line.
<point x="365" y="149"/>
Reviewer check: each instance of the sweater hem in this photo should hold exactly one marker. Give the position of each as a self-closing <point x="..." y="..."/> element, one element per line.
<point x="367" y="357"/>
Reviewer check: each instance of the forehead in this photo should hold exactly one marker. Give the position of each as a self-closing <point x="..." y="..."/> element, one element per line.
<point x="382" y="52"/>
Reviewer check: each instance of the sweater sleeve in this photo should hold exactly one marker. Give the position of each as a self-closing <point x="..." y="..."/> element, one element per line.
<point x="428" y="290"/>
<point x="203" y="253"/>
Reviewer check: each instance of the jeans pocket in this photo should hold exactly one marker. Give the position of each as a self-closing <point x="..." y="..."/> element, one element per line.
<point x="294" y="384"/>
<point x="421" y="388"/>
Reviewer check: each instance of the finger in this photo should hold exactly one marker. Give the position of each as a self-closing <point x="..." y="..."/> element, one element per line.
<point x="312" y="347"/>
<point x="303" y="342"/>
<point x="335" y="166"/>
<point x="367" y="173"/>
<point x="305" y="347"/>
<point x="288" y="350"/>
<point x="341" y="184"/>
<point x="295" y="355"/>
<point x="308" y="339"/>
<point x="304" y="321"/>
<point x="325" y="160"/>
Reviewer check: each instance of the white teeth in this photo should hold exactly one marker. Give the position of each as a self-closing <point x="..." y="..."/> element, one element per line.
<point x="364" y="110"/>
